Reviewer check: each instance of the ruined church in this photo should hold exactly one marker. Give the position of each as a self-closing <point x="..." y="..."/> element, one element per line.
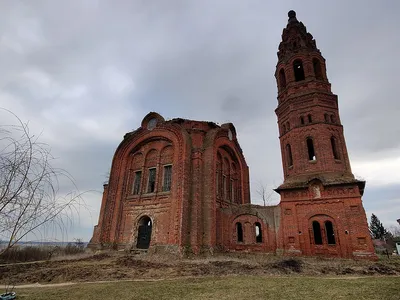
<point x="182" y="186"/>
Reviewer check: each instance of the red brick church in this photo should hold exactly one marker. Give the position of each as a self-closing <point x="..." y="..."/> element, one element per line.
<point x="182" y="186"/>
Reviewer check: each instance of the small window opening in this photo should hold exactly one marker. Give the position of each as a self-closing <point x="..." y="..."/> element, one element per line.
<point x="136" y="182"/>
<point x="302" y="120"/>
<point x="282" y="79"/>
<point x="288" y="126"/>
<point x="317" y="233"/>
<point x="334" y="148"/>
<point x="309" y="119"/>
<point x="152" y="181"/>
<point x="330" y="234"/>
<point x="258" y="233"/>
<point x="317" y="69"/>
<point x="298" y="70"/>
<point x="167" y="178"/>
<point x="239" y="231"/>
<point x="333" y="119"/>
<point x="326" y="116"/>
<point x="284" y="128"/>
<point x="289" y="155"/>
<point x="310" y="147"/>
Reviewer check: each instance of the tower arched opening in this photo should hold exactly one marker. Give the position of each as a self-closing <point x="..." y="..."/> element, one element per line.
<point x="334" y="148"/>
<point x="317" y="69"/>
<point x="311" y="150"/>
<point x="289" y="155"/>
<point x="298" y="70"/>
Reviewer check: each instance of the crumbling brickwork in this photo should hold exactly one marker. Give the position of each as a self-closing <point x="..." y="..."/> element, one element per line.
<point x="183" y="185"/>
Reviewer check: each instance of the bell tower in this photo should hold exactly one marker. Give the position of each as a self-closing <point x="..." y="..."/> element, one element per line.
<point x="320" y="198"/>
<point x="311" y="135"/>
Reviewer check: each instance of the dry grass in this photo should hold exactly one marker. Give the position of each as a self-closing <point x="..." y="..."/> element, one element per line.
<point x="119" y="266"/>
<point x="38" y="253"/>
<point x="231" y="287"/>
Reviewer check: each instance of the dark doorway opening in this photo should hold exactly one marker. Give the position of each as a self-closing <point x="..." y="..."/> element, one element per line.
<point x="144" y="233"/>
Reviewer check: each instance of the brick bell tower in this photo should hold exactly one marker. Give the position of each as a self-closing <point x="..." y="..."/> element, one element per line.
<point x="321" y="207"/>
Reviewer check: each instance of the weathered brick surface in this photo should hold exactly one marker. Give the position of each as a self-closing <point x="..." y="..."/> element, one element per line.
<point x="210" y="192"/>
<point x="322" y="189"/>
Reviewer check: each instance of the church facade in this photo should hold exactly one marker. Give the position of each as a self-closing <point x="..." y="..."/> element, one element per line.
<point x="182" y="186"/>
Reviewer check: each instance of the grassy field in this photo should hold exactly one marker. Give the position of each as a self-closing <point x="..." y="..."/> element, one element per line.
<point x="229" y="287"/>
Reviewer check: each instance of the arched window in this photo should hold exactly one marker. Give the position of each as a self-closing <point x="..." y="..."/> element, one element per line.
<point x="302" y="120"/>
<point x="330" y="234"/>
<point x="289" y="155"/>
<point x="151" y="164"/>
<point x="310" y="148"/>
<point x="284" y="128"/>
<point x="334" y="148"/>
<point x="333" y="119"/>
<point x="282" y="79"/>
<point x="298" y="70"/>
<point x="258" y="232"/>
<point x="309" y="119"/>
<point x="317" y="233"/>
<point x="234" y="184"/>
<point x="239" y="231"/>
<point x="317" y="69"/>
<point x="226" y="180"/>
<point x="218" y="178"/>
<point x="326" y="116"/>
<point x="288" y="126"/>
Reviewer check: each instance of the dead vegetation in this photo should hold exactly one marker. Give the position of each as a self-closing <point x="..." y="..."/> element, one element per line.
<point x="119" y="266"/>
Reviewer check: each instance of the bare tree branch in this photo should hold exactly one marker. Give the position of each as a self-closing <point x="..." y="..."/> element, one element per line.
<point x="264" y="193"/>
<point x="29" y="186"/>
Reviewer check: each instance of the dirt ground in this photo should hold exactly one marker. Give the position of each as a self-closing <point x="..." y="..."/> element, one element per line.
<point x="121" y="266"/>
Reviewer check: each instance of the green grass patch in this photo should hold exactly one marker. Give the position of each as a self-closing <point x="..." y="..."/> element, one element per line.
<point x="232" y="287"/>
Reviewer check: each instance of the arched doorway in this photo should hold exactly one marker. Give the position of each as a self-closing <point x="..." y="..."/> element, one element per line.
<point x="144" y="233"/>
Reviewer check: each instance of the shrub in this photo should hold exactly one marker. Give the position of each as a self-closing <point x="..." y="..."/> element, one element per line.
<point x="23" y="254"/>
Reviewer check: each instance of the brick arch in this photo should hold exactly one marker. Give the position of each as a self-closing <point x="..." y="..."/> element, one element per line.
<point x="166" y="154"/>
<point x="173" y="134"/>
<point x="306" y="62"/>
<point x="135" y="227"/>
<point x="137" y="160"/>
<point x="230" y="178"/>
<point x="151" y="158"/>
<point x="150" y="116"/>
<point x="248" y="221"/>
<point x="322" y="218"/>
<point x="322" y="212"/>
<point x="242" y="169"/>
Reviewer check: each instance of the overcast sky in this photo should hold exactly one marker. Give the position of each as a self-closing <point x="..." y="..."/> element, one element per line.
<point x="86" y="72"/>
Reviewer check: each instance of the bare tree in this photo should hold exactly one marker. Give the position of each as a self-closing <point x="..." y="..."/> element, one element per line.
<point x="29" y="186"/>
<point x="395" y="230"/>
<point x="265" y="193"/>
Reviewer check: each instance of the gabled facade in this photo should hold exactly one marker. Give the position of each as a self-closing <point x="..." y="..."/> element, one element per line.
<point x="166" y="181"/>
<point x="183" y="186"/>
